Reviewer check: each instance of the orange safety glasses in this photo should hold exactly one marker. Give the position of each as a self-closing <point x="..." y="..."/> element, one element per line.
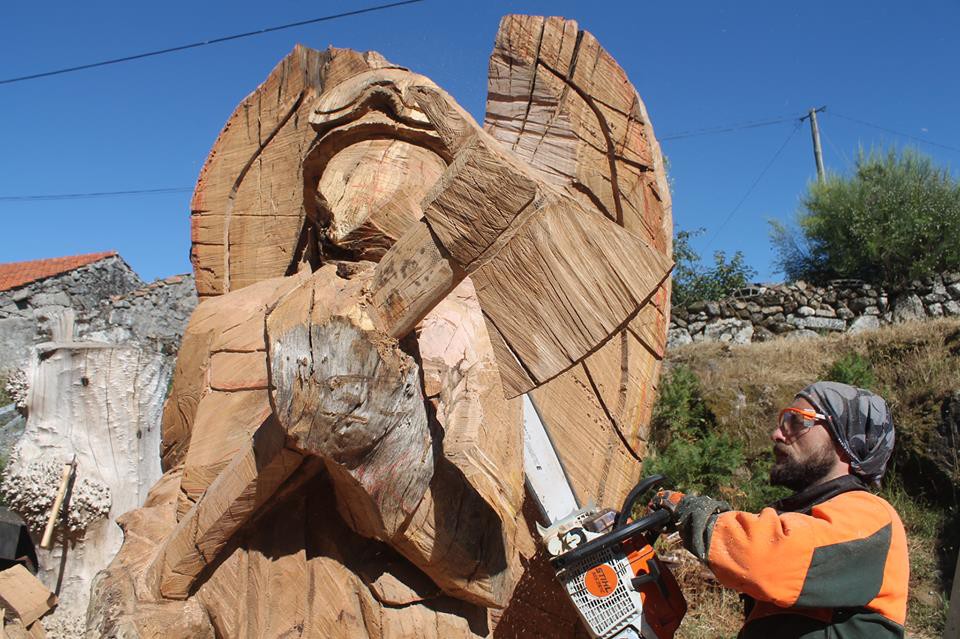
<point x="794" y="422"/>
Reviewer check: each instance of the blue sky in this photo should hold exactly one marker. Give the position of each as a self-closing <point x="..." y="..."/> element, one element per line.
<point x="149" y="124"/>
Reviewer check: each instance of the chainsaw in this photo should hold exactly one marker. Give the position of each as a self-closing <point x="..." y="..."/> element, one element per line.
<point x="605" y="562"/>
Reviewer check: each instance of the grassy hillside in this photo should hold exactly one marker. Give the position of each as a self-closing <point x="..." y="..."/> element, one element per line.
<point x="718" y="405"/>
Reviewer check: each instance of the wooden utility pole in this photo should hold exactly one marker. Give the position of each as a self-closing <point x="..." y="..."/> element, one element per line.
<point x="815" y="133"/>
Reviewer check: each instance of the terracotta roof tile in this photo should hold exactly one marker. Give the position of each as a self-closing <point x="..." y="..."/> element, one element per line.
<point x="14" y="274"/>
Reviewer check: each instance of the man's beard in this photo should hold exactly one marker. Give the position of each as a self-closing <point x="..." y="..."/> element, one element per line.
<point x="799" y="475"/>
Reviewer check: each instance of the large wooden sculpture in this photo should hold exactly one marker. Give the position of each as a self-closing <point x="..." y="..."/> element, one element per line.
<point x="382" y="281"/>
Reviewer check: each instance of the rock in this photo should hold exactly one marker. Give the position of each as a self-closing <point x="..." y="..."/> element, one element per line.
<point x="677" y="337"/>
<point x="761" y="334"/>
<point x="951" y="308"/>
<point x="695" y="327"/>
<point x="871" y="310"/>
<point x="951" y="278"/>
<point x="800" y="285"/>
<point x="771" y="310"/>
<point x="826" y="311"/>
<point x="864" y="323"/>
<point x="696" y="307"/>
<point x="678" y="323"/>
<point x="729" y="330"/>
<point x="845" y="313"/>
<point x="783" y="327"/>
<point x="935" y="310"/>
<point x="712" y="309"/>
<point x="805" y="311"/>
<point x="824" y="323"/>
<point x="858" y="304"/>
<point x="908" y="308"/>
<point x="953" y="290"/>
<point x="802" y="334"/>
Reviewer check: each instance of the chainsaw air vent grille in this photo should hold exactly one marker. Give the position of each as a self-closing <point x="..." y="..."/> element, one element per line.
<point x="604" y="615"/>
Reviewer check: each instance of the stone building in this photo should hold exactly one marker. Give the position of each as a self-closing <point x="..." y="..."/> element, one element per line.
<point x="34" y="294"/>
<point x="109" y="301"/>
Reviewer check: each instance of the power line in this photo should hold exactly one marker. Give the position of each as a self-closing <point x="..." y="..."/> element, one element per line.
<point x="204" y="43"/>
<point x="900" y="133"/>
<point x="754" y="185"/>
<point x="727" y="128"/>
<point x="839" y="152"/>
<point x="87" y="196"/>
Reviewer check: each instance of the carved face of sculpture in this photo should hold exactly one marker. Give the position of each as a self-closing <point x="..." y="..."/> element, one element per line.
<point x="375" y="157"/>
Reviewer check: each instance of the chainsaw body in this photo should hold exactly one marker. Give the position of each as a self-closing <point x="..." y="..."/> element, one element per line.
<point x="610" y="571"/>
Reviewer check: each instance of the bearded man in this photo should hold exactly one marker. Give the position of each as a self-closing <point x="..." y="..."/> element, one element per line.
<point x="831" y="559"/>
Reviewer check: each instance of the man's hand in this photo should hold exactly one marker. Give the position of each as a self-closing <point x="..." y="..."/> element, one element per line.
<point x="667" y="500"/>
<point x="692" y="516"/>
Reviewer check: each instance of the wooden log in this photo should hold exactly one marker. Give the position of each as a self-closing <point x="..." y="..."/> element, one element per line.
<point x="23" y="597"/>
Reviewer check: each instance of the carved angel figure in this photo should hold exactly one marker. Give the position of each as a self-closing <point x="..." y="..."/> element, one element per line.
<point x="383" y="281"/>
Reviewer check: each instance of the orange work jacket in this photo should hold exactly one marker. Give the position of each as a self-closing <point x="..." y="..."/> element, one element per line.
<point x="838" y="568"/>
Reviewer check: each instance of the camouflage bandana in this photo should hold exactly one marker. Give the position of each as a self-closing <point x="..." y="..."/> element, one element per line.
<point x="859" y="421"/>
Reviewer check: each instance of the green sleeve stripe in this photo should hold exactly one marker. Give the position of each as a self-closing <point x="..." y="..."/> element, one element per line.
<point x="847" y="574"/>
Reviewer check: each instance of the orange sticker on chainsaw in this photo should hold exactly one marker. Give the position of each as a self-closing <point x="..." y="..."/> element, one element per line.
<point x="601" y="581"/>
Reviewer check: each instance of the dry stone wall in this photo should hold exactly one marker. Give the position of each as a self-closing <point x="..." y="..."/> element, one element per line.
<point x="798" y="310"/>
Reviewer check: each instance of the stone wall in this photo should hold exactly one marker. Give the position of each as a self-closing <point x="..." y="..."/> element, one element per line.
<point x="28" y="312"/>
<point x="110" y="303"/>
<point x="154" y="315"/>
<point x="798" y="310"/>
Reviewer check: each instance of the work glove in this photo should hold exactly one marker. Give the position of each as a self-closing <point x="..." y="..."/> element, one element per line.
<point x="693" y="516"/>
<point x="667" y="500"/>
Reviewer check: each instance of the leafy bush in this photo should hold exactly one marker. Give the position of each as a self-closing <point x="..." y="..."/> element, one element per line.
<point x="693" y="281"/>
<point x="853" y="369"/>
<point x="689" y="448"/>
<point x="895" y="219"/>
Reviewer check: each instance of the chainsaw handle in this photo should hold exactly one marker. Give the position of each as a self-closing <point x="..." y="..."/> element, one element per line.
<point x="656" y="519"/>
<point x="645" y="484"/>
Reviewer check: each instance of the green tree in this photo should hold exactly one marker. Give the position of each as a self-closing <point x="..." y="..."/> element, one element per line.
<point x="897" y="217"/>
<point x="694" y="281"/>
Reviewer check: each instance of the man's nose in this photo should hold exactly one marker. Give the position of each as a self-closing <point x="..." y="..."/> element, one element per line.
<point x="777" y="435"/>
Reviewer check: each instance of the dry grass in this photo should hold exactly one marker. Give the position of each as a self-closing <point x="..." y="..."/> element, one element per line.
<point x="746" y="385"/>
<point x="916" y="366"/>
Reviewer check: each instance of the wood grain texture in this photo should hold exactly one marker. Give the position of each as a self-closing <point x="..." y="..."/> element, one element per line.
<point x="348" y="395"/>
<point x="560" y="102"/>
<point x="555" y="278"/>
<point x="251" y="202"/>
